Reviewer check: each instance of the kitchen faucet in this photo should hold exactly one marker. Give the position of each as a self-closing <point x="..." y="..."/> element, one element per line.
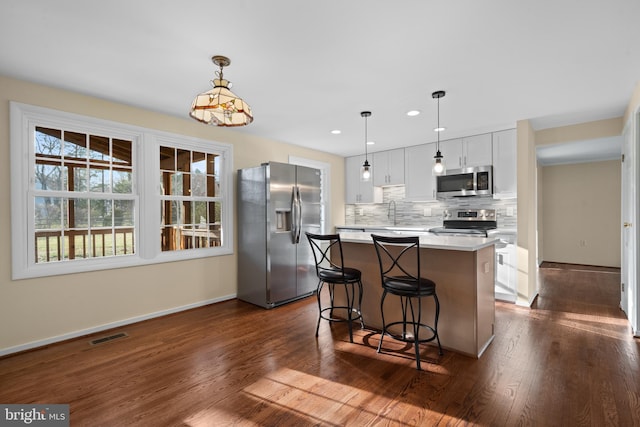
<point x="392" y="202"/>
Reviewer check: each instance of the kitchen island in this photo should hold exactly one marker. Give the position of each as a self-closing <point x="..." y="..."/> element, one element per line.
<point x="464" y="271"/>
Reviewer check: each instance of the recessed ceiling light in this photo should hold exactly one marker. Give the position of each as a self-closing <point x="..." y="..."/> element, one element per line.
<point x="336" y="131"/>
<point x="370" y="142"/>
<point x="413" y="113"/>
<point x="440" y="129"/>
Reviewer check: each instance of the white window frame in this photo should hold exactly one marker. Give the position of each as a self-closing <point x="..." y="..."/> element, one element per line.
<point x="146" y="187"/>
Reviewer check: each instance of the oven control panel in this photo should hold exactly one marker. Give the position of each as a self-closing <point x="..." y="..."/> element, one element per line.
<point x="470" y="214"/>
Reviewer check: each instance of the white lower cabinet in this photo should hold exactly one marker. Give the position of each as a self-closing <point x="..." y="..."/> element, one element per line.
<point x="506" y="272"/>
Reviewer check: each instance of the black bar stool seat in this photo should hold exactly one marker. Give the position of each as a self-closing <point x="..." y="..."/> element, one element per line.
<point x="338" y="276"/>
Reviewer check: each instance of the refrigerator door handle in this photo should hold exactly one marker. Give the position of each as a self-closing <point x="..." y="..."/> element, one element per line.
<point x="298" y="217"/>
<point x="294" y="215"/>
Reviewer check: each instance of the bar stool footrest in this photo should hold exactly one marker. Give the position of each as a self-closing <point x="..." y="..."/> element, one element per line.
<point x="356" y="315"/>
<point x="409" y="338"/>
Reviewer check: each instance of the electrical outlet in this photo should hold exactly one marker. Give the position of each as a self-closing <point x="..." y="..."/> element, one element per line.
<point x="359" y="211"/>
<point x="583" y="243"/>
<point x="509" y="211"/>
<point x="426" y="212"/>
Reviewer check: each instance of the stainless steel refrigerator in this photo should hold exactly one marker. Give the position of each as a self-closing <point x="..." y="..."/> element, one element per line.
<point x="277" y="203"/>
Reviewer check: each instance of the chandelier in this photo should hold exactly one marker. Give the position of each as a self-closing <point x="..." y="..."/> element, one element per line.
<point x="219" y="106"/>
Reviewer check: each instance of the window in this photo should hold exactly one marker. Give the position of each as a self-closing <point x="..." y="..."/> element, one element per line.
<point x="89" y="194"/>
<point x="82" y="197"/>
<point x="191" y="204"/>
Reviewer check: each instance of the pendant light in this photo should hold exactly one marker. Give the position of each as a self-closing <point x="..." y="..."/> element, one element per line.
<point x="365" y="173"/>
<point x="219" y="106"/>
<point x="438" y="166"/>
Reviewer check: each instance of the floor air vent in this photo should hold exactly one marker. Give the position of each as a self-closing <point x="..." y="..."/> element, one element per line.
<point x="109" y="338"/>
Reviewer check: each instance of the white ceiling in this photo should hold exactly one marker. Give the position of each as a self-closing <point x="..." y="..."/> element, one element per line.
<point x="309" y="67"/>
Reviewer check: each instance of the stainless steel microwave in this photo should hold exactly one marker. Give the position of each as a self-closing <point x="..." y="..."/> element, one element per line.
<point x="466" y="182"/>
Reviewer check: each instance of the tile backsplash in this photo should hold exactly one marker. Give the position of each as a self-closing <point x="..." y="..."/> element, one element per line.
<point x="424" y="214"/>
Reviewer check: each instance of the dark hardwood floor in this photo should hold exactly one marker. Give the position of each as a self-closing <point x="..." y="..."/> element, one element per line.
<point x="568" y="361"/>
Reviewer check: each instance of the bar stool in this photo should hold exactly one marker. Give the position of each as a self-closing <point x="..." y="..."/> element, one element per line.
<point x="330" y="269"/>
<point x="399" y="259"/>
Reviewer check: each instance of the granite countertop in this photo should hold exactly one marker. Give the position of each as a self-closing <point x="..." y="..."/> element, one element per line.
<point x="417" y="229"/>
<point x="430" y="241"/>
<point x="385" y="227"/>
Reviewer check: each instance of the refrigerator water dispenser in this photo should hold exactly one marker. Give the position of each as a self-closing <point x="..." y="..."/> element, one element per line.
<point x="283" y="220"/>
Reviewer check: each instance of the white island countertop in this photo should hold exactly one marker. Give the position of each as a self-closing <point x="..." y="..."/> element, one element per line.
<point x="429" y="241"/>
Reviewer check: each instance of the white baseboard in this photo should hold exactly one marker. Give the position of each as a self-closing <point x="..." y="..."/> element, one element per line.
<point x="117" y="324"/>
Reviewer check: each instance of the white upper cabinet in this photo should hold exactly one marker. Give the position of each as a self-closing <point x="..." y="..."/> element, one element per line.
<point x="476" y="150"/>
<point x="466" y="152"/>
<point x="412" y="166"/>
<point x="505" y="162"/>
<point x="358" y="191"/>
<point x="389" y="168"/>
<point x="451" y="151"/>
<point x="420" y="184"/>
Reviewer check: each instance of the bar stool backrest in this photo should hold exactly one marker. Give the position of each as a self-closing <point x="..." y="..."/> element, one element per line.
<point x="323" y="247"/>
<point x="399" y="258"/>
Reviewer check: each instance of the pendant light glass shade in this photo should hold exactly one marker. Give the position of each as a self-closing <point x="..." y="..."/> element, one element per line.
<point x="438" y="166"/>
<point x="365" y="171"/>
<point x="219" y="106"/>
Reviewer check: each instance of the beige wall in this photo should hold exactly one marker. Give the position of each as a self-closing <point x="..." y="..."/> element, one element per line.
<point x="40" y="310"/>
<point x="581" y="213"/>
<point x="580" y="132"/>
<point x="527" y="286"/>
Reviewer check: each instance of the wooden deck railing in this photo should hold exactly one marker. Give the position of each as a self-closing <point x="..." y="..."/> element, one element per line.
<point x="49" y="243"/>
